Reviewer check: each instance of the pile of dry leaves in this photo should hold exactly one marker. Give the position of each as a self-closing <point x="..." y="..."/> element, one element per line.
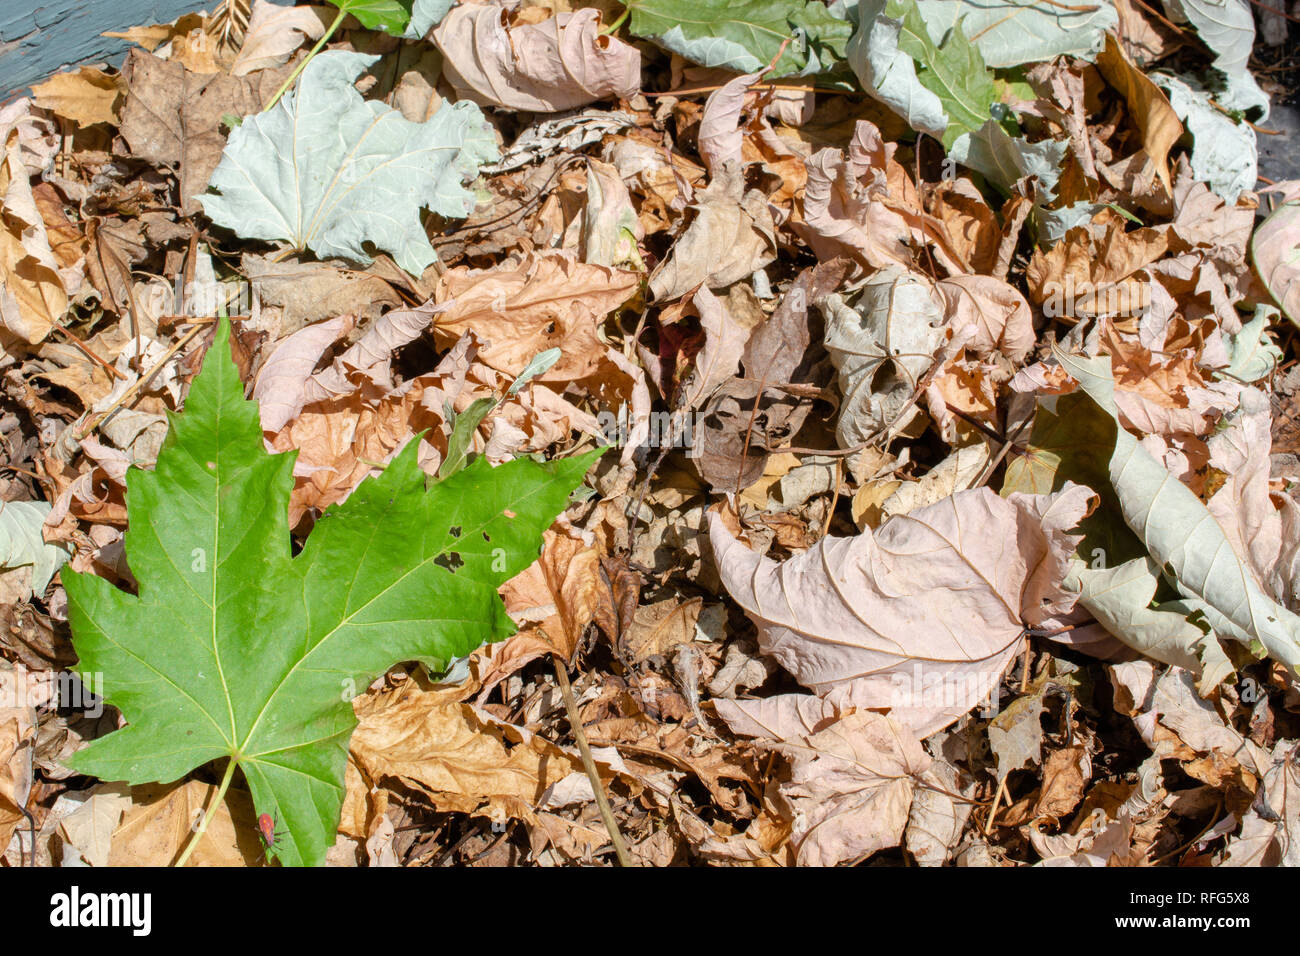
<point x="954" y="516"/>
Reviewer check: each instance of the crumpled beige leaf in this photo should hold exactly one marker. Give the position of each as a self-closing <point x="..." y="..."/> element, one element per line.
<point x="611" y="230"/>
<point x="955" y="473"/>
<point x="159" y="823"/>
<point x="936" y="821"/>
<point x="1016" y="734"/>
<point x="881" y="348"/>
<point x="1272" y="838"/>
<point x="558" y="64"/>
<point x="1263" y="526"/>
<point x="727" y="324"/>
<point x="1100" y="842"/>
<point x="988" y="315"/>
<point x="21" y="692"/>
<point x="87" y="831"/>
<point x="308" y="292"/>
<point x="34" y="290"/>
<point x="527" y="305"/>
<point x="920" y="616"/>
<point x="275" y="32"/>
<point x="851" y="781"/>
<point x="733" y="447"/>
<point x="1176" y="722"/>
<point x="732" y="236"/>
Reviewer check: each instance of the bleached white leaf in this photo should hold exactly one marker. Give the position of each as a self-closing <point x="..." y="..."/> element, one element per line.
<point x="1228" y="28"/>
<point x="1011" y="32"/>
<point x="1055" y="223"/>
<point x="1224" y="153"/>
<point x="21" y="542"/>
<point x="1003" y="158"/>
<point x="1120" y="598"/>
<point x="889" y="74"/>
<point x="1251" y="352"/>
<point x="425" y="15"/>
<point x="328" y="171"/>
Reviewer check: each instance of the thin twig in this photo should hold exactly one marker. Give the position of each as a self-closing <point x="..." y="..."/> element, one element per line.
<point x="993" y="810"/>
<point x="86" y="351"/>
<point x="589" y="764"/>
<point x="130" y="394"/>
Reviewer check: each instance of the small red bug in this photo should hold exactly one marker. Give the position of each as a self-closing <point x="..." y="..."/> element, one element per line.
<point x="266" y="823"/>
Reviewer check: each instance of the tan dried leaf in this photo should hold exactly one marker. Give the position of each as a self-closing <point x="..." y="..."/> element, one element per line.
<point x="86" y="97"/>
<point x="530" y="304"/>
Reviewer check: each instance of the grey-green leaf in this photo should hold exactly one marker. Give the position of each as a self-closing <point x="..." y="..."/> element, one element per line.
<point x="1182" y="536"/>
<point x="329" y="171"/>
<point x="21" y="541"/>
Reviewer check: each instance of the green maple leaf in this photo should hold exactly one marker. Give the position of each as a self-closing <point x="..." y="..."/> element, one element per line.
<point x="236" y="648"/>
<point x="391" y="16"/>
<point x="954" y="71"/>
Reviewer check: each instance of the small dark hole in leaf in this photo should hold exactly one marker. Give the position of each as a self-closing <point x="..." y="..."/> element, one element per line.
<point x="451" y="561"/>
<point x="454" y="531"/>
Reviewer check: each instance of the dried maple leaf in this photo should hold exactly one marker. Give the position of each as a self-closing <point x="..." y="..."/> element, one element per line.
<point x="920" y="616"/>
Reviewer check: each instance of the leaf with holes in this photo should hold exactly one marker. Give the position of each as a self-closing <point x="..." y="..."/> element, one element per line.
<point x="234" y="648"/>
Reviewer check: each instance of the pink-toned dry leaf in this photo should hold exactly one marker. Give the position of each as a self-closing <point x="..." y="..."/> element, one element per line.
<point x="283" y="384"/>
<point x="988" y="315"/>
<point x="726" y="330"/>
<point x="720" y="138"/>
<point x="921" y="616"/>
<point x="851" y="781"/>
<point x="1276" y="249"/>
<point x="558" y="64"/>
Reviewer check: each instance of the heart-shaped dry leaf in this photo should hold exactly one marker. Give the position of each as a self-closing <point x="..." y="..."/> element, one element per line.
<point x="921" y="616"/>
